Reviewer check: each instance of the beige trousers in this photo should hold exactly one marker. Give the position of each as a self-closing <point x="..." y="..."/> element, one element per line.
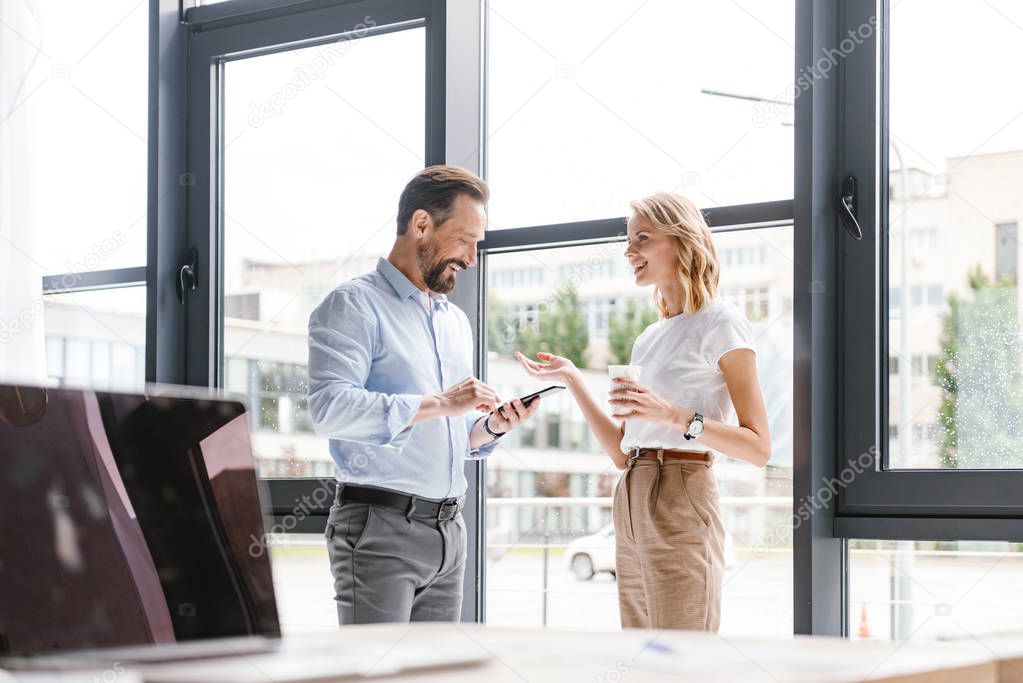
<point x="669" y="545"/>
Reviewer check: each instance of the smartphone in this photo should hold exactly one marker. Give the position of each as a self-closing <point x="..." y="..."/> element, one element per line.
<point x="547" y="391"/>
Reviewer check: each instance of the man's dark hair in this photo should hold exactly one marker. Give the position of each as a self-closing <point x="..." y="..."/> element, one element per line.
<point x="435" y="189"/>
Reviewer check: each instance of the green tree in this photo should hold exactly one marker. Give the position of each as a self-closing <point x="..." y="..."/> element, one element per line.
<point x="980" y="373"/>
<point x="560" y="328"/>
<point x="625" y="326"/>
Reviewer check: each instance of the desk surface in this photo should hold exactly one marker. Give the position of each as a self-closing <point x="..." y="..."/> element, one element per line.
<point x="538" y="656"/>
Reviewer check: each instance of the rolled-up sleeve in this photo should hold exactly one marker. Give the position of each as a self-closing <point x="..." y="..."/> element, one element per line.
<point x="342" y="334"/>
<point x="484" y="450"/>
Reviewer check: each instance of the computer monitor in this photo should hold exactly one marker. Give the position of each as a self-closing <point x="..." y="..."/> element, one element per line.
<point x="128" y="519"/>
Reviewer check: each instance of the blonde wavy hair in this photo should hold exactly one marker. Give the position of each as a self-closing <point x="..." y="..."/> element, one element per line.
<point x="697" y="266"/>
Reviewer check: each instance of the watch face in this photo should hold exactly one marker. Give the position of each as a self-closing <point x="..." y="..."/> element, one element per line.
<point x="696" y="427"/>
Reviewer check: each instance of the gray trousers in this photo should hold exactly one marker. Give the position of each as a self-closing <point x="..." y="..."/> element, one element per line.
<point x="391" y="568"/>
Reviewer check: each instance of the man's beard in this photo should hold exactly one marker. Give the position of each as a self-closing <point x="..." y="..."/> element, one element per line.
<point x="435" y="273"/>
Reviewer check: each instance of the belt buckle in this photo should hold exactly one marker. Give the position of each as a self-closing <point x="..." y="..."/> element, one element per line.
<point x="448" y="510"/>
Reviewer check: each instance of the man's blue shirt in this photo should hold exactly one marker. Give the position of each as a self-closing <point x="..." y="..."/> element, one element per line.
<point x="377" y="344"/>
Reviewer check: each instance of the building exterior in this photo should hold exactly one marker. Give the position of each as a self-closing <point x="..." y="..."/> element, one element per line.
<point x="951" y="223"/>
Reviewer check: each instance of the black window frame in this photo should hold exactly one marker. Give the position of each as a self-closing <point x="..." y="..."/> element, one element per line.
<point x="882" y="502"/>
<point x="214" y="35"/>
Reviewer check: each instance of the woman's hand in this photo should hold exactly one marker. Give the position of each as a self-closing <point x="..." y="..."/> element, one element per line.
<point x="552" y="367"/>
<point x="638" y="402"/>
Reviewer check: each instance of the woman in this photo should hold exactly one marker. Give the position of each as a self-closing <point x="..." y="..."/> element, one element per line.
<point x="698" y="365"/>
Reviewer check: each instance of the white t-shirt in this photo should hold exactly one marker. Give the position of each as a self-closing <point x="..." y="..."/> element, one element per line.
<point x="679" y="356"/>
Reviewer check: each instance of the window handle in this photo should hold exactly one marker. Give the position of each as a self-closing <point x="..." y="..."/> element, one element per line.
<point x="848" y="210"/>
<point x="188" y="276"/>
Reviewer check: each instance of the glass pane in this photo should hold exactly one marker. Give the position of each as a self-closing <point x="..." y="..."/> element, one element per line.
<point x="74" y="115"/>
<point x="319" y="143"/>
<point x="97" y="339"/>
<point x="956" y="390"/>
<point x="926" y="591"/>
<point x="302" y="582"/>
<point x="583" y="302"/>
<point x="594" y="103"/>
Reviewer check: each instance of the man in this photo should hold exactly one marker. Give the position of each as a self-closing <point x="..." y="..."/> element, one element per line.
<point x="390" y="382"/>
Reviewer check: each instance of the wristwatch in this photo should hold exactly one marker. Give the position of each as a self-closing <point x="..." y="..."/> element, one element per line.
<point x="693" y="429"/>
<point x="486" y="426"/>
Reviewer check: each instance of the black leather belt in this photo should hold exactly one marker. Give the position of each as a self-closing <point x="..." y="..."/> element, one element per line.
<point x="441" y="510"/>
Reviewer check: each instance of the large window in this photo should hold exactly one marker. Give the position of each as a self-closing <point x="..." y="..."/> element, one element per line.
<point x="317" y="143"/>
<point x="86" y="132"/>
<point x="73" y="216"/>
<point x="934" y="590"/>
<point x="97" y="339"/>
<point x="306" y="120"/>
<point x="904" y="353"/>
<point x="550" y="545"/>
<point x="930" y="354"/>
<point x="595" y="103"/>
<point x="592" y="105"/>
<point x="953" y="248"/>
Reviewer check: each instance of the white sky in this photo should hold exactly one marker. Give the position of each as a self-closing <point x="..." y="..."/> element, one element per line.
<point x="319" y="179"/>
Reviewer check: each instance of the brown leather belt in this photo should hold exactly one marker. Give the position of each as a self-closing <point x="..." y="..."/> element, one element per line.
<point x="669" y="454"/>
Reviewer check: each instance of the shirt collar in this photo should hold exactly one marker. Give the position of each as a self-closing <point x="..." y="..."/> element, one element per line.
<point x="403" y="287"/>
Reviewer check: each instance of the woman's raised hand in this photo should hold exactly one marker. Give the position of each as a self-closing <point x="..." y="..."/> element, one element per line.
<point x="550" y="367"/>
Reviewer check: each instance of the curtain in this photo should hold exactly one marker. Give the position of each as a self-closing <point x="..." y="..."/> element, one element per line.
<point x="22" y="342"/>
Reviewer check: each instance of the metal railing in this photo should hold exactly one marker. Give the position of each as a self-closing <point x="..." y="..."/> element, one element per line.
<point x="546" y="504"/>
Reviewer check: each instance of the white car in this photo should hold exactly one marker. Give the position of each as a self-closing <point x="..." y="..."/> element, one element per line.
<point x="590" y="555"/>
<point x="587" y="556"/>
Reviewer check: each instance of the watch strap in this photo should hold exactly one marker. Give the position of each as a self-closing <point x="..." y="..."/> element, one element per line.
<point x="486" y="427"/>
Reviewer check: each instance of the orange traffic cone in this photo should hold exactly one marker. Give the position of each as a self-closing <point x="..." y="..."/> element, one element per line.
<point x="864" y="630"/>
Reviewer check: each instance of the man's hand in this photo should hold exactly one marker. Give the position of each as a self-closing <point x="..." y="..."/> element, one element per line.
<point x="511" y="414"/>
<point x="469" y="394"/>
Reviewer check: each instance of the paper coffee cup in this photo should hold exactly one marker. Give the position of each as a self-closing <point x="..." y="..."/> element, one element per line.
<point x="622" y="371"/>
